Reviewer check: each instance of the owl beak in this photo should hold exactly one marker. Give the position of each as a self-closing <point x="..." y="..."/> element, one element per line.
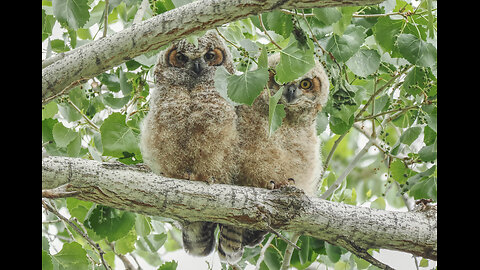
<point x="196" y="67"/>
<point x="290" y="92"/>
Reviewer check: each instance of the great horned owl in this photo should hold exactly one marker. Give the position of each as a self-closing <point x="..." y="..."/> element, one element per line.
<point x="290" y="154"/>
<point x="190" y="129"/>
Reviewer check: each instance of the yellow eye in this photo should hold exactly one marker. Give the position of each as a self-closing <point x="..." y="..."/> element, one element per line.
<point x="305" y="84"/>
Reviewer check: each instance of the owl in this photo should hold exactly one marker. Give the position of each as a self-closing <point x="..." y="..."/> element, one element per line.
<point x="291" y="155"/>
<point x="190" y="130"/>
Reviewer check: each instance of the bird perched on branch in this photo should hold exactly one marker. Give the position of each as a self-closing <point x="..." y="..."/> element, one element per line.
<point x="190" y="129"/>
<point x="291" y="155"/>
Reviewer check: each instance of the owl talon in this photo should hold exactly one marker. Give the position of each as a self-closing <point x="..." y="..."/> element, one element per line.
<point x="280" y="185"/>
<point x="188" y="176"/>
<point x="211" y="180"/>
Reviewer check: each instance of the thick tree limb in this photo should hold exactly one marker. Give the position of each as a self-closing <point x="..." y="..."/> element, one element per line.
<point x="98" y="56"/>
<point x="138" y="190"/>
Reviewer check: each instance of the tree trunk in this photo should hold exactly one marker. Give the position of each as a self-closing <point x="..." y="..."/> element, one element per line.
<point x="136" y="189"/>
<point x="98" y="56"/>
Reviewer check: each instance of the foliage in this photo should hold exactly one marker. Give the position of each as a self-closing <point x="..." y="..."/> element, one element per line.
<point x="382" y="63"/>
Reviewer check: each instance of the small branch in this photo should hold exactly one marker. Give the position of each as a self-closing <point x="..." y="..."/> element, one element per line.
<point x="266" y="33"/>
<point x="83" y="115"/>
<point x="263" y="250"/>
<point x="141" y="11"/>
<point x="372" y="98"/>
<point x="347" y="171"/>
<point x="85" y="236"/>
<point x="105" y="21"/>
<point x="59" y="192"/>
<point x="128" y="265"/>
<point x="289" y="251"/>
<point x="134" y="189"/>
<point x="329" y="156"/>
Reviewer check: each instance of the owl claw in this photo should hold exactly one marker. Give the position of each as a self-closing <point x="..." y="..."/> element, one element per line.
<point x="279" y="185"/>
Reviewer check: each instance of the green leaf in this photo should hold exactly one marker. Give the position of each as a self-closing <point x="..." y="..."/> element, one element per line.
<point x="399" y="171"/>
<point x="276" y="112"/>
<point x="46" y="261"/>
<point x="333" y="252"/>
<point x="415" y="81"/>
<point x="272" y="259"/>
<point x="416" y="51"/>
<point x="171" y="265"/>
<point x="364" y="62"/>
<point x="49" y="110"/>
<point x="429" y="152"/>
<point x="59" y="46"/>
<point x="78" y="208"/>
<point x="142" y="225"/>
<point x="246" y="87"/>
<point x="72" y="256"/>
<point x="109" y="222"/>
<point x="345" y="46"/>
<point x="410" y="135"/>
<point x="126" y="244"/>
<point x="115" y="103"/>
<point x="110" y="80"/>
<point x="327" y="15"/>
<point x="280" y="22"/>
<point x="338" y="126"/>
<point x="385" y="32"/>
<point x="73" y="12"/>
<point x="62" y="135"/>
<point x="152" y="242"/>
<point x="426" y="189"/>
<point x="118" y="138"/>
<point x="379" y="203"/>
<point x="263" y="58"/>
<point x="294" y="61"/>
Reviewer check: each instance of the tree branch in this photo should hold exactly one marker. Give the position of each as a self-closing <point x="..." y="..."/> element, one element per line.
<point x="100" y="55"/>
<point x="136" y="189"/>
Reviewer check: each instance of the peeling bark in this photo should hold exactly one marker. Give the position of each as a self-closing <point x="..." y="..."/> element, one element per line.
<point x="136" y="189"/>
<point x="98" y="56"/>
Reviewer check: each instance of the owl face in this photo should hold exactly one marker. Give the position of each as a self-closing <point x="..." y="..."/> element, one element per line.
<point x="308" y="91"/>
<point x="189" y="64"/>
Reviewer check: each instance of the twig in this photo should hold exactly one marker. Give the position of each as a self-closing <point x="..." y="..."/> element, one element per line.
<point x="330" y="154"/>
<point x="288" y="252"/>
<point x="64" y="91"/>
<point x="90" y="241"/>
<point x="347" y="171"/>
<point x="59" y="192"/>
<point x="141" y="11"/>
<point x="128" y="265"/>
<point x="266" y="33"/>
<point x="272" y="230"/>
<point x="105" y="22"/>
<point x="263" y="250"/>
<point x="83" y="115"/>
<point x="372" y="98"/>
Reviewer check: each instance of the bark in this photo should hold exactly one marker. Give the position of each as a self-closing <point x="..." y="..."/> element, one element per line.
<point x="136" y="189"/>
<point x="87" y="61"/>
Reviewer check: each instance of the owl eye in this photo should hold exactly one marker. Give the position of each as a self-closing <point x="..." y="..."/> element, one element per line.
<point x="180" y="57"/>
<point x="176" y="58"/>
<point x="209" y="56"/>
<point x="306" y="84"/>
<point x="214" y="57"/>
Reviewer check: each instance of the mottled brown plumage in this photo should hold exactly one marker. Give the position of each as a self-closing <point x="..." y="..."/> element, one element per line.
<point x="291" y="155"/>
<point x="292" y="151"/>
<point x="190" y="130"/>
